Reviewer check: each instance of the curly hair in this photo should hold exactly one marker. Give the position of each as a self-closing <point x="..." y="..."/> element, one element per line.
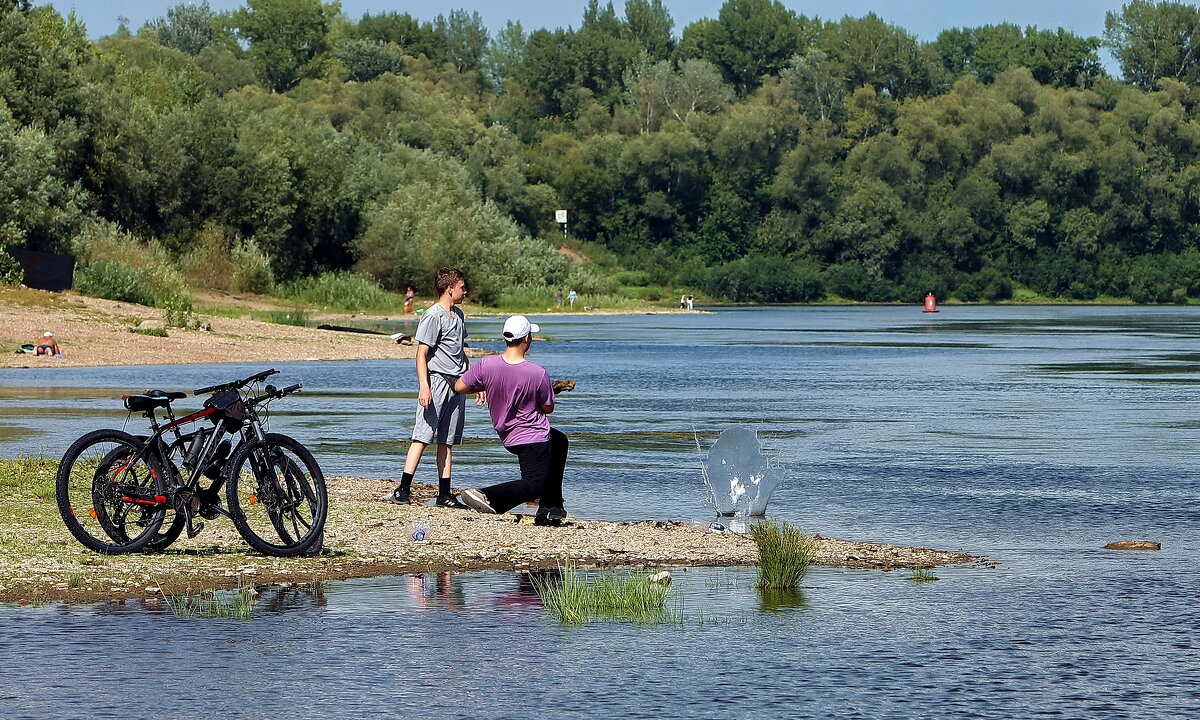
<point x="446" y="278"/>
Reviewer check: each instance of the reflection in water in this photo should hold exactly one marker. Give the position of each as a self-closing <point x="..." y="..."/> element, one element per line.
<point x="782" y="599"/>
<point x="446" y="590"/>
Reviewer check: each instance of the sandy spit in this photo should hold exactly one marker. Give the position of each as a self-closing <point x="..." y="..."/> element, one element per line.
<point x="366" y="537"/>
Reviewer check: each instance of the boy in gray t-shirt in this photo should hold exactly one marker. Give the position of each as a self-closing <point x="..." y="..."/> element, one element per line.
<point x="441" y="359"/>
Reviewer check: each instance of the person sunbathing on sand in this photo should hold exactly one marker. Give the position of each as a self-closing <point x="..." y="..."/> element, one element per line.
<point x="47" y="345"/>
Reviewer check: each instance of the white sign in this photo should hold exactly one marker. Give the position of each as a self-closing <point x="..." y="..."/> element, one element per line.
<point x="560" y="217"/>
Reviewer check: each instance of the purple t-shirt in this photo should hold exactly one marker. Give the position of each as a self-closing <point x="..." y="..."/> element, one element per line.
<point x="515" y="397"/>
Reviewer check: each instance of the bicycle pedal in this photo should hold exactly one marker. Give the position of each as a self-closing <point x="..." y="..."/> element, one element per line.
<point x="193" y="529"/>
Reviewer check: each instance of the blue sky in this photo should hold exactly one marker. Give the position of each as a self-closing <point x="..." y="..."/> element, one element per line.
<point x="924" y="18"/>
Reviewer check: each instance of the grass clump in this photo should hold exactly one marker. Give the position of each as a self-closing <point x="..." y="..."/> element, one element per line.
<point x="341" y="290"/>
<point x="575" y="598"/>
<point x="288" y="317"/>
<point x="151" y="331"/>
<point x="236" y="604"/>
<point x="921" y="575"/>
<point x="784" y="554"/>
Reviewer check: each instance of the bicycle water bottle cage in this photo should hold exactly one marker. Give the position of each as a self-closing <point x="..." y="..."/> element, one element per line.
<point x="142" y="403"/>
<point x="229" y="408"/>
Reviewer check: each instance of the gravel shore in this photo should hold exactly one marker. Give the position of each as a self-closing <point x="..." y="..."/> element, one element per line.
<point x="366" y="537"/>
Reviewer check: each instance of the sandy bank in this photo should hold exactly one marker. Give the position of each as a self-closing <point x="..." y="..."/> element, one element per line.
<point x="40" y="561"/>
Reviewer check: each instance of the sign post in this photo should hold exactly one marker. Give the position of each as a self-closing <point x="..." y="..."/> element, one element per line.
<point x="560" y="216"/>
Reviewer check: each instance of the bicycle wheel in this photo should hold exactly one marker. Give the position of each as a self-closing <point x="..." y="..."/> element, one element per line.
<point x="107" y="494"/>
<point x="276" y="495"/>
<point x="173" y="522"/>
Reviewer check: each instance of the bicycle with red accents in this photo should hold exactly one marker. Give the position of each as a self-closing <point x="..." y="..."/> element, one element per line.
<point x="120" y="493"/>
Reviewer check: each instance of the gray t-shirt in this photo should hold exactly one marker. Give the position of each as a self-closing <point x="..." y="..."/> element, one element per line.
<point x="444" y="333"/>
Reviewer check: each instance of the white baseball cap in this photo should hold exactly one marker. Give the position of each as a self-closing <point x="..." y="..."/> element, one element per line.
<point x="518" y="326"/>
<point x="49" y="334"/>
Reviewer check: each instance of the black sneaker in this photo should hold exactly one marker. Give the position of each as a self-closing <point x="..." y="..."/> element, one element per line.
<point x="400" y="496"/>
<point x="550" y="516"/>
<point x="451" y="501"/>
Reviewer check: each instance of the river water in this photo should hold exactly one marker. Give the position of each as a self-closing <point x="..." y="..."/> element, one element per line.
<point x="1032" y="435"/>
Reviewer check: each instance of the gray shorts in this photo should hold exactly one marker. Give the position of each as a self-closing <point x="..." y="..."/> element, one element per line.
<point x="442" y="421"/>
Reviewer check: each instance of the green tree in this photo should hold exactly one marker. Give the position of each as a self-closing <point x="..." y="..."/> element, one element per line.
<point x="368" y="59"/>
<point x="289" y="39"/>
<point x="1155" y="40"/>
<point x="869" y="52"/>
<point x="186" y="27"/>
<point x="749" y="39"/>
<point x="465" y="39"/>
<point x="649" y="24"/>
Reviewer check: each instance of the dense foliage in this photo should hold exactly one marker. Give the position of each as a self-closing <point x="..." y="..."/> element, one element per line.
<point x="760" y="155"/>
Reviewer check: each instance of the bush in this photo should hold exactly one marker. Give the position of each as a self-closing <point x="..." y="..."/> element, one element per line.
<point x="10" y="270"/>
<point x="342" y="290"/>
<point x="760" y="278"/>
<point x="117" y="266"/>
<point x="219" y="263"/>
<point x="784" y="554"/>
<point x="632" y="278"/>
<point x="113" y="281"/>
<point x="251" y="268"/>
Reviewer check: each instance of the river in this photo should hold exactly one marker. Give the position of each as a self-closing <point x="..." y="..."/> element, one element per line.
<point x="1032" y="435"/>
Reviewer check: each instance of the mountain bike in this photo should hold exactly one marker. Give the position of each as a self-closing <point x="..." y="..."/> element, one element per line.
<point x="119" y="493"/>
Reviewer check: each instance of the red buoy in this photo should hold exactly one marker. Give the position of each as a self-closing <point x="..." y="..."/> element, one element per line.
<point x="930" y="303"/>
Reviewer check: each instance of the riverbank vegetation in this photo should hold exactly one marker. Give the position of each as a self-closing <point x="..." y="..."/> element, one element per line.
<point x="760" y="155"/>
<point x="784" y="554"/>
<point x="574" y="597"/>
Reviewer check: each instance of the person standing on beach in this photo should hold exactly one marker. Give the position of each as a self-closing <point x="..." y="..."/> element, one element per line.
<point x="409" y="297"/>
<point x="441" y="360"/>
<point x="558" y="298"/>
<point x="571" y="297"/>
<point x="519" y="398"/>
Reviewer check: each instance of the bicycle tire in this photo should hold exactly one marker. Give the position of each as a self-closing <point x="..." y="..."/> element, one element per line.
<point x="96" y="472"/>
<point x="276" y="495"/>
<point x="173" y="522"/>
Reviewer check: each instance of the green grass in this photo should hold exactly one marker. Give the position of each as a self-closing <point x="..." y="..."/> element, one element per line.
<point x="151" y="331"/>
<point x="28" y="477"/>
<point x="921" y="575"/>
<point x="784" y="554"/>
<point x="236" y="604"/>
<point x="288" y="317"/>
<point x="575" y="598"/>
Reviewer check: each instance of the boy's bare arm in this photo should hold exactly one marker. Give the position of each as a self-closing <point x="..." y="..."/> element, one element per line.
<point x="424" y="394"/>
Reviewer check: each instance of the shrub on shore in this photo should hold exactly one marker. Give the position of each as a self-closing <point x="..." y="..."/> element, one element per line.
<point x="342" y="290"/>
<point x="784" y="554"/>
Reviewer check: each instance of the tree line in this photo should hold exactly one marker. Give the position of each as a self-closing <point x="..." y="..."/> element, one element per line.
<point x="761" y="155"/>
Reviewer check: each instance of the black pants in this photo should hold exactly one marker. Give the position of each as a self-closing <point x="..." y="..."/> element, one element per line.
<point x="542" y="466"/>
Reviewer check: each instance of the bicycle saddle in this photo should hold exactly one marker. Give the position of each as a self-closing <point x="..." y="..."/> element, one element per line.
<point x="152" y="399"/>
<point x="165" y="394"/>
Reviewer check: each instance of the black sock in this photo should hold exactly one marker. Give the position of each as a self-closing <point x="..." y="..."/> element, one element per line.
<point x="406" y="480"/>
<point x="443" y="487"/>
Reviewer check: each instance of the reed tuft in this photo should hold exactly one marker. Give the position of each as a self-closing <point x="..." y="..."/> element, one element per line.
<point x="784" y="554"/>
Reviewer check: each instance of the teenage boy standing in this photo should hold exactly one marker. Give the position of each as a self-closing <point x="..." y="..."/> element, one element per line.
<point x="441" y="359"/>
<point x="519" y="397"/>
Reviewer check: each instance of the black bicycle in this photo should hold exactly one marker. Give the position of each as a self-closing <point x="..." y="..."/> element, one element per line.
<point x="119" y="493"/>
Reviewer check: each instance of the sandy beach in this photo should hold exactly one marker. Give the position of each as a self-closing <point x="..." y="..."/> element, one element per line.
<point x="95" y="332"/>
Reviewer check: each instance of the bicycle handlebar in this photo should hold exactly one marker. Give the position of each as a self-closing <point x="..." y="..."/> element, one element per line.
<point x="273" y="394"/>
<point x="236" y="383"/>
